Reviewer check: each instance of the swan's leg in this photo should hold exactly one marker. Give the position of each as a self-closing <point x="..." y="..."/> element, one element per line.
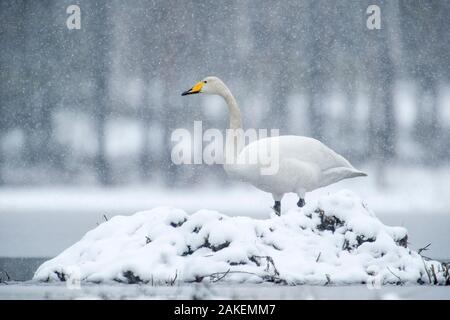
<point x="301" y="198"/>
<point x="277" y="205"/>
<point x="277" y="208"/>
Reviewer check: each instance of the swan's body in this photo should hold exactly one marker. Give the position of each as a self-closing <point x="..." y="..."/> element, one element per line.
<point x="303" y="163"/>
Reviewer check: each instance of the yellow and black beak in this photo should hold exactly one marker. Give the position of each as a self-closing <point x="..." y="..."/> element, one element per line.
<point x="195" y="89"/>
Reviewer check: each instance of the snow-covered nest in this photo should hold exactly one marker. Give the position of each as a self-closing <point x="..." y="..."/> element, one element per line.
<point x="337" y="240"/>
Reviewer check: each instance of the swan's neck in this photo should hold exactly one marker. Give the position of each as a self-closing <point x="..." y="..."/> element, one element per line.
<point x="235" y="112"/>
<point x="234" y="143"/>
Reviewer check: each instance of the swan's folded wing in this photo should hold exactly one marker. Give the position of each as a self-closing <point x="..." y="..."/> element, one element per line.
<point x="336" y="174"/>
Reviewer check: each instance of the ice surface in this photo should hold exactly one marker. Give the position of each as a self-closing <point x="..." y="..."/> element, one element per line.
<point x="334" y="240"/>
<point x="87" y="291"/>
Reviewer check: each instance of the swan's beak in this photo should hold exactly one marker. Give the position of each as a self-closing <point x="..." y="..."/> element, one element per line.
<point x="195" y="89"/>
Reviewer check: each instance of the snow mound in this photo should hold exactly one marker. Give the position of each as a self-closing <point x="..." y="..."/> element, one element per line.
<point x="337" y="240"/>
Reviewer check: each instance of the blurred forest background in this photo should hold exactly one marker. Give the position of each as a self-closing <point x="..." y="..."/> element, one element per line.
<point x="98" y="105"/>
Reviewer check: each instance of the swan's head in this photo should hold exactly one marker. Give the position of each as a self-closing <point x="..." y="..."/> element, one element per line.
<point x="209" y="85"/>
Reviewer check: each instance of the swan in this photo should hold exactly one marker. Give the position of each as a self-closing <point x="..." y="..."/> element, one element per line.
<point x="303" y="163"/>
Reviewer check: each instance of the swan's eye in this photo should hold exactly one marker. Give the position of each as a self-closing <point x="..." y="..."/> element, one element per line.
<point x="205" y="81"/>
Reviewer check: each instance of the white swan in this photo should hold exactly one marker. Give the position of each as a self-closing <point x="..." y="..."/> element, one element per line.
<point x="303" y="163"/>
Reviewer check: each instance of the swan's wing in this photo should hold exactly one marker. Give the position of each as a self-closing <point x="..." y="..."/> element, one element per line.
<point x="304" y="149"/>
<point x="342" y="173"/>
<point x="312" y="150"/>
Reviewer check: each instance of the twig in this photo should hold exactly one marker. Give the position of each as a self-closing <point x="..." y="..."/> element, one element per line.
<point x="223" y="276"/>
<point x="215" y="274"/>
<point x="426" y="269"/>
<point x="445" y="267"/>
<point x="105" y="217"/>
<point x="8" y="278"/>
<point x="172" y="281"/>
<point x="423" y="261"/>
<point x="434" y="274"/>
<point x="318" y="257"/>
<point x="424" y="248"/>
<point x="446" y="273"/>
<point x="6" y="274"/>
<point x="399" y="279"/>
<point x="269" y="261"/>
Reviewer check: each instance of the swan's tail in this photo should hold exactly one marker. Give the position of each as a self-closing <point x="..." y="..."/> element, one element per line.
<point x="356" y="173"/>
<point x="337" y="174"/>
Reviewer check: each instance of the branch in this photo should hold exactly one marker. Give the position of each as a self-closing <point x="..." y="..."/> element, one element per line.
<point x="217" y="276"/>
<point x="399" y="279"/>
<point x="434" y="274"/>
<point x="223" y="276"/>
<point x="269" y="260"/>
<point x="426" y="269"/>
<point x="318" y="257"/>
<point x="8" y="278"/>
<point x="424" y="248"/>
<point x="172" y="281"/>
